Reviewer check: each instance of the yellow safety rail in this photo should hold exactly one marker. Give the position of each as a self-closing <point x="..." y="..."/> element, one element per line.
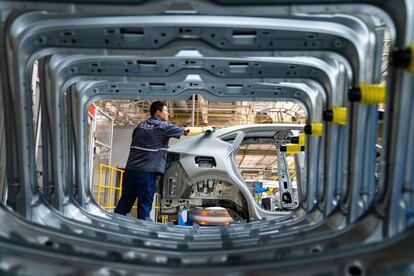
<point x="111" y="187"/>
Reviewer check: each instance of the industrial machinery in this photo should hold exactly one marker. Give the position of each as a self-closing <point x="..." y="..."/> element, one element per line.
<point x="349" y="63"/>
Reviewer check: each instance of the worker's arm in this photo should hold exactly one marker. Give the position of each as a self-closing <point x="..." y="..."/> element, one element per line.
<point x="188" y="131"/>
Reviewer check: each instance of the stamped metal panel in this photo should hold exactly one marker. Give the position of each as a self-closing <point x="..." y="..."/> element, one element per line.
<point x="398" y="159"/>
<point x="112" y="90"/>
<point x="287" y="91"/>
<point x="188" y="84"/>
<point x="268" y="69"/>
<point x="403" y="16"/>
<point x="42" y="40"/>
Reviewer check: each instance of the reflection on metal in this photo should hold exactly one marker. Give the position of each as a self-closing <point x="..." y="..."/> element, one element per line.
<point x="355" y="202"/>
<point x="210" y="216"/>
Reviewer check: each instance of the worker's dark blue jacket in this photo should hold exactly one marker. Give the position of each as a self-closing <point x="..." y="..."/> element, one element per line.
<point x="149" y="143"/>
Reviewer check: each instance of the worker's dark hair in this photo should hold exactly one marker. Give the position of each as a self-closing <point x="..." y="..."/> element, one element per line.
<point x="157" y="105"/>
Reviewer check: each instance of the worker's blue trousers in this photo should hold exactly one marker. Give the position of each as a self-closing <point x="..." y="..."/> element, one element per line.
<point x="137" y="184"/>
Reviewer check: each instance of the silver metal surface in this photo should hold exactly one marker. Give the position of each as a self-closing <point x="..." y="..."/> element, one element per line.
<point x="340" y="229"/>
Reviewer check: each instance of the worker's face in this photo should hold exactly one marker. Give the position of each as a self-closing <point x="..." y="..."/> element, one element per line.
<point x="163" y="115"/>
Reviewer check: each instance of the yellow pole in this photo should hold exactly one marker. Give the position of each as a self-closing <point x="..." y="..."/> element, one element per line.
<point x="99" y="182"/>
<point x="121" y="178"/>
<point x="111" y="171"/>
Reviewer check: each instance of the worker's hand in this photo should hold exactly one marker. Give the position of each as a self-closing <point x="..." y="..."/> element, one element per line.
<point x="209" y="129"/>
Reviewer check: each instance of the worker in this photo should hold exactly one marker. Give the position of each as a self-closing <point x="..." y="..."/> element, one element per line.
<point x="147" y="158"/>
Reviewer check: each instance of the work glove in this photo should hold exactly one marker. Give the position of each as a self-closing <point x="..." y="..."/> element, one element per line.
<point x="198" y="130"/>
<point x="209" y="129"/>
